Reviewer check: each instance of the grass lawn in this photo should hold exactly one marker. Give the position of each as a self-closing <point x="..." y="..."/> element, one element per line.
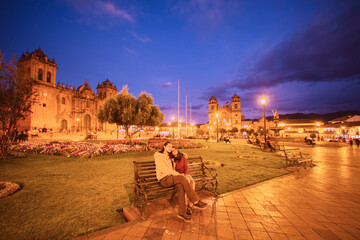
<point x="64" y="197"/>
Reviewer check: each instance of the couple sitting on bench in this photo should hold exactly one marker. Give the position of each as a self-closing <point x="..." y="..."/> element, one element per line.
<point x="171" y="170"/>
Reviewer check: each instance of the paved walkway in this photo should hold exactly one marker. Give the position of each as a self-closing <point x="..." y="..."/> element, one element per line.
<point x="318" y="203"/>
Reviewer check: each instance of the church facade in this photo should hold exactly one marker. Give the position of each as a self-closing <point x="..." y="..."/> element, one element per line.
<point x="60" y="107"/>
<point x="226" y="117"/>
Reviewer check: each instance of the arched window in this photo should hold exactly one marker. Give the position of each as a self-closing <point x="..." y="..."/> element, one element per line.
<point x="48" y="77"/>
<point x="235" y="106"/>
<point x="62" y="100"/>
<point x="87" y="104"/>
<point x="40" y="74"/>
<point x="212" y="107"/>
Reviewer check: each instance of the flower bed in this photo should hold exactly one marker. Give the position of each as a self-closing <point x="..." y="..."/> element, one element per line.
<point x="85" y="149"/>
<point x="153" y="143"/>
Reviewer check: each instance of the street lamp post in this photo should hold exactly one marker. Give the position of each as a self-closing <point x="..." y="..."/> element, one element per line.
<point x="173" y="126"/>
<point x="217" y="127"/>
<point x="263" y="101"/>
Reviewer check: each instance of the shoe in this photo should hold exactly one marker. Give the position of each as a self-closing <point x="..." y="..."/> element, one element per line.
<point x="189" y="210"/>
<point x="185" y="217"/>
<point x="200" y="205"/>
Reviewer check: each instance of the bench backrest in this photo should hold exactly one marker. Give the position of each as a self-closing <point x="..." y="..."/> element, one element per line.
<point x="292" y="153"/>
<point x="147" y="169"/>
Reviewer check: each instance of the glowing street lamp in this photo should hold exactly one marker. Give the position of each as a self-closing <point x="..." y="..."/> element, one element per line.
<point x="263" y="101"/>
<point x="217" y="128"/>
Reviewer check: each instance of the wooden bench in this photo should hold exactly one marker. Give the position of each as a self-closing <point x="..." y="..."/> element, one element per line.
<point x="259" y="144"/>
<point x="274" y="147"/>
<point x="278" y="147"/>
<point x="91" y="136"/>
<point x="34" y="135"/>
<point x="295" y="157"/>
<point x="147" y="186"/>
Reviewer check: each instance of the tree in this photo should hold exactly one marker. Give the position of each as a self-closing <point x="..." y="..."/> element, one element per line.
<point x="222" y="130"/>
<point x="130" y="112"/>
<point x="234" y="130"/>
<point x="16" y="97"/>
<point x="200" y="132"/>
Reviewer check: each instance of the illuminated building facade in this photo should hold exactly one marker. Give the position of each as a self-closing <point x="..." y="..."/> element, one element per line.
<point x="60" y="107"/>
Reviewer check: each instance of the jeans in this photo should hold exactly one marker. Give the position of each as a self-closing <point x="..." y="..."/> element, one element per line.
<point x="182" y="186"/>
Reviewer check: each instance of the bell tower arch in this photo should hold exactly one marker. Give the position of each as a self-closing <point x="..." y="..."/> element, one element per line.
<point x="40" y="67"/>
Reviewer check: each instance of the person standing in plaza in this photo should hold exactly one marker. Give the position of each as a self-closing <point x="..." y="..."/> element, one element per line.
<point x="168" y="176"/>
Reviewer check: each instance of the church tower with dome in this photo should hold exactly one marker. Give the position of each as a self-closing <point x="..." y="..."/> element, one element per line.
<point x="60" y="107"/>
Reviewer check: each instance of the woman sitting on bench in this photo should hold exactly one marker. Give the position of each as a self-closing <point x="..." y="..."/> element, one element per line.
<point x="181" y="167"/>
<point x="168" y="177"/>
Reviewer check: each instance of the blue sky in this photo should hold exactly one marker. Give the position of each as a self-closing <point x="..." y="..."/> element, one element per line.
<point x="304" y="56"/>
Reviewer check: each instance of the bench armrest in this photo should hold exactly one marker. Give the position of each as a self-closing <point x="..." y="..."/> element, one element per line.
<point x="212" y="171"/>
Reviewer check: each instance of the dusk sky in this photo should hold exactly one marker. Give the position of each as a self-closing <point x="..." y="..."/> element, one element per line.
<point x="304" y="56"/>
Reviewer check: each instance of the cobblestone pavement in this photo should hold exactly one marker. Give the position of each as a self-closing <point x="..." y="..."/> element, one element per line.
<point x="318" y="203"/>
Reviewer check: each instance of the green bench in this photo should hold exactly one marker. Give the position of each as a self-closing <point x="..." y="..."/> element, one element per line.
<point x="147" y="186"/>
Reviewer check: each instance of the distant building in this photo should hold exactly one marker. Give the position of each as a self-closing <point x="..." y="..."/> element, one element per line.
<point x="299" y="127"/>
<point x="61" y="107"/>
<point x="344" y="127"/>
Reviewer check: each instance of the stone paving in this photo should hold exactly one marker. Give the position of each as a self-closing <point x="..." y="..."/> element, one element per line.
<point x="318" y="203"/>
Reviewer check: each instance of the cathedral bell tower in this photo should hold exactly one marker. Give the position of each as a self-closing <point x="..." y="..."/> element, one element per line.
<point x="236" y="109"/>
<point x="40" y="67"/>
<point x="106" y="89"/>
<point x="213" y="109"/>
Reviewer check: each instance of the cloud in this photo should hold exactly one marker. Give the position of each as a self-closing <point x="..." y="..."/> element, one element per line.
<point x="222" y="92"/>
<point x="167" y="107"/>
<point x="144" y="39"/>
<point x="130" y="51"/>
<point x="197" y="107"/>
<point x="205" y="14"/>
<point x="100" y="12"/>
<point x="166" y="85"/>
<point x="326" y="50"/>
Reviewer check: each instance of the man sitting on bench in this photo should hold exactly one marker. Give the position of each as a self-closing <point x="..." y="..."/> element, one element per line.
<point x="168" y="176"/>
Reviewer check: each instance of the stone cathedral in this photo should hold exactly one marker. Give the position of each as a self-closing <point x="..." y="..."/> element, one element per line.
<point x="60" y="107"/>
